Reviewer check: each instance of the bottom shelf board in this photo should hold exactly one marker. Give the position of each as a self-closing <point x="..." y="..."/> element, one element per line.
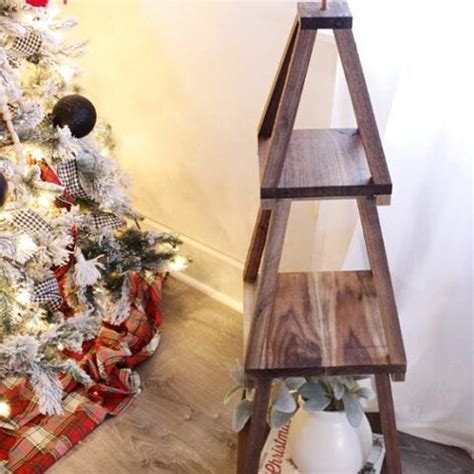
<point x="320" y="323"/>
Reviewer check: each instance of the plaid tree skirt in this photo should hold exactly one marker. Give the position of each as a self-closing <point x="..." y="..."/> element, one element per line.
<point x="30" y="442"/>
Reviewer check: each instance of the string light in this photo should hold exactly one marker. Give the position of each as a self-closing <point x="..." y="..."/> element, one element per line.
<point x="46" y="200"/>
<point x="5" y="409"/>
<point x="36" y="325"/>
<point x="23" y="297"/>
<point x="54" y="9"/>
<point x="26" y="244"/>
<point x="67" y="72"/>
<point x="36" y="153"/>
<point x="178" y="264"/>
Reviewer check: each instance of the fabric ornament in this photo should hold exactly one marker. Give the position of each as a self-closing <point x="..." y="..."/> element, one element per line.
<point x="37" y="3"/>
<point x="86" y="272"/>
<point x="69" y="177"/>
<point x="27" y="46"/>
<point x="31" y="222"/>
<point x="106" y="221"/>
<point x="48" y="293"/>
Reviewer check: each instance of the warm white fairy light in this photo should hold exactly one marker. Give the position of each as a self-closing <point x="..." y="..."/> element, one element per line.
<point x="53" y="9"/>
<point x="36" y="325"/>
<point x="5" y="409"/>
<point x="178" y="264"/>
<point x="23" y="297"/>
<point x="36" y="153"/>
<point x="45" y="200"/>
<point x="7" y="118"/>
<point x="26" y="244"/>
<point x="67" y="72"/>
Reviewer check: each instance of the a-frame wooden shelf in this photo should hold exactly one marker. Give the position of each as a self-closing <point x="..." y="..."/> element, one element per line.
<point x="329" y="323"/>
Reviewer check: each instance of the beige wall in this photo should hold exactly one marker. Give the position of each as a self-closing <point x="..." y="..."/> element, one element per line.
<point x="183" y="85"/>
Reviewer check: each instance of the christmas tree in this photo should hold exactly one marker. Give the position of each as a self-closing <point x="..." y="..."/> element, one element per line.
<point x="69" y="238"/>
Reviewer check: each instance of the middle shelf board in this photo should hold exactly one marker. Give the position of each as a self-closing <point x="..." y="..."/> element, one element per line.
<point x="321" y="323"/>
<point x="323" y="163"/>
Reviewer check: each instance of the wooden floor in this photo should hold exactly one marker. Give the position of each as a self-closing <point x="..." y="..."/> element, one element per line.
<point x="179" y="425"/>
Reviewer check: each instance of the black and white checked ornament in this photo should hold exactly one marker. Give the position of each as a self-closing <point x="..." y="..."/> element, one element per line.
<point x="69" y="177"/>
<point x="106" y="221"/>
<point x="26" y="46"/>
<point x="48" y="294"/>
<point x="31" y="222"/>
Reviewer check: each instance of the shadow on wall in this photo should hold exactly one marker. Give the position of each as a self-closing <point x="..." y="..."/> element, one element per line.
<point x="183" y="85"/>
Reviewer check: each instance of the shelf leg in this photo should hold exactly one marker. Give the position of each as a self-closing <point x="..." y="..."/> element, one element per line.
<point x="392" y="463"/>
<point x="251" y="443"/>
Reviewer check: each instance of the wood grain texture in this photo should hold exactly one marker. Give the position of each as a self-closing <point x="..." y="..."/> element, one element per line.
<point x="362" y="106"/>
<point x="243" y="443"/>
<point x="250" y="297"/>
<point x="178" y="424"/>
<point x="285" y="119"/>
<point x="392" y="463"/>
<point x="322" y="323"/>
<point x="324" y="164"/>
<point x="257" y="430"/>
<point x="383" y="282"/>
<point x="313" y="17"/>
<point x="268" y="278"/>
<point x="267" y="121"/>
<point x="257" y="244"/>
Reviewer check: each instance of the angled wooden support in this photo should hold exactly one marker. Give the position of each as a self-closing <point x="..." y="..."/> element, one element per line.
<point x="267" y="121"/>
<point x="271" y="261"/>
<point x="392" y="462"/>
<point x="286" y="114"/>
<point x="257" y="244"/>
<point x="383" y="283"/>
<point x="364" y="112"/>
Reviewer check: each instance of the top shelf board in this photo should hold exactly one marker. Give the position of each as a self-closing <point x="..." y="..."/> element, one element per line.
<point x="336" y="16"/>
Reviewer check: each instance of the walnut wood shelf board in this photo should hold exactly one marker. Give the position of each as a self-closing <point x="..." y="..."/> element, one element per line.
<point x="323" y="163"/>
<point x="337" y="16"/>
<point x="321" y="323"/>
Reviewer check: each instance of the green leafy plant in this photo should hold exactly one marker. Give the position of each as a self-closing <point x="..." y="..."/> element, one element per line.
<point x="318" y="394"/>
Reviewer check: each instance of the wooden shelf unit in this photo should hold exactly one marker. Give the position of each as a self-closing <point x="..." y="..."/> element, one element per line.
<point x="328" y="323"/>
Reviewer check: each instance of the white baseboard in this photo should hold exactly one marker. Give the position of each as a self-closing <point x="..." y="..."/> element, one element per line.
<point x="211" y="272"/>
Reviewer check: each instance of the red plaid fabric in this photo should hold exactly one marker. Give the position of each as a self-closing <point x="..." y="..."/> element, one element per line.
<point x="30" y="442"/>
